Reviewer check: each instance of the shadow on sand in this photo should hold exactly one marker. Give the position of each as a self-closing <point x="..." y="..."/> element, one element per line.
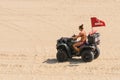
<point x="71" y="61"/>
<point x="51" y="61"/>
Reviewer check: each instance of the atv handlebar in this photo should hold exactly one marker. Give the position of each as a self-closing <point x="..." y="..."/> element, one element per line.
<point x="73" y="35"/>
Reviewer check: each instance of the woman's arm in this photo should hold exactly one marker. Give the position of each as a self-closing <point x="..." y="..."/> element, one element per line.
<point x="76" y="36"/>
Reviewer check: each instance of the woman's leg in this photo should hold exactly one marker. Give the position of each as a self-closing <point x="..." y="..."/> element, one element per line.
<point x="75" y="46"/>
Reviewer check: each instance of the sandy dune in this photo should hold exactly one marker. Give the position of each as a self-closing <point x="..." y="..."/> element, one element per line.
<point x="29" y="30"/>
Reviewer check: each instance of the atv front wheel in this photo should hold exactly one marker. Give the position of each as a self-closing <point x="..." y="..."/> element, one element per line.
<point x="87" y="55"/>
<point x="61" y="56"/>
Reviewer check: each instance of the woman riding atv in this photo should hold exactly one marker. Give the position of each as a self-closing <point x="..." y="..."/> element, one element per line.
<point x="83" y="36"/>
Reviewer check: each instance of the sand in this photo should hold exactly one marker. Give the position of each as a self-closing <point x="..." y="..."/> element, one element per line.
<point x="29" y="30"/>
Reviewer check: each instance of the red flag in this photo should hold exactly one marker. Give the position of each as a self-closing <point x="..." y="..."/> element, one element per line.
<point x="96" y="22"/>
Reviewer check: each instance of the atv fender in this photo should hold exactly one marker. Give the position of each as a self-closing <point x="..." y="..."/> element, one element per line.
<point x="66" y="48"/>
<point x="87" y="48"/>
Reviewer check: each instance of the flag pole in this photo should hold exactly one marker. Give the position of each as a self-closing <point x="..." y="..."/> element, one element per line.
<point x="92" y="29"/>
<point x="91" y="26"/>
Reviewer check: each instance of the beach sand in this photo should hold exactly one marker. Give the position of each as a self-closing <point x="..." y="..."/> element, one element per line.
<point x="29" y="30"/>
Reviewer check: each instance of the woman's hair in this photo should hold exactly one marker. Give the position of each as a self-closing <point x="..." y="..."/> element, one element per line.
<point x="81" y="26"/>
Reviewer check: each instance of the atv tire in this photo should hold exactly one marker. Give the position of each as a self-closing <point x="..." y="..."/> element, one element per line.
<point x="96" y="53"/>
<point x="87" y="56"/>
<point x="61" y="56"/>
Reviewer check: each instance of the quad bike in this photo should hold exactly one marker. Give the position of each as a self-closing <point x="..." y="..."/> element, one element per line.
<point x="88" y="51"/>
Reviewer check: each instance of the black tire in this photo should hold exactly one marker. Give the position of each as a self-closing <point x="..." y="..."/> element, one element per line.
<point x="87" y="55"/>
<point x="61" y="56"/>
<point x="96" y="53"/>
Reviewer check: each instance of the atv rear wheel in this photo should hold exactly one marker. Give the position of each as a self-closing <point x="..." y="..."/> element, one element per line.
<point x="87" y="55"/>
<point x="96" y="53"/>
<point x="61" y="56"/>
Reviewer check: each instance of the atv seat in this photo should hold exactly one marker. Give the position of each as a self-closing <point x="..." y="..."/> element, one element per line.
<point x="82" y="44"/>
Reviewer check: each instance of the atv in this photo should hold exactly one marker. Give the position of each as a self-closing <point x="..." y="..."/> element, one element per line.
<point x="88" y="51"/>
